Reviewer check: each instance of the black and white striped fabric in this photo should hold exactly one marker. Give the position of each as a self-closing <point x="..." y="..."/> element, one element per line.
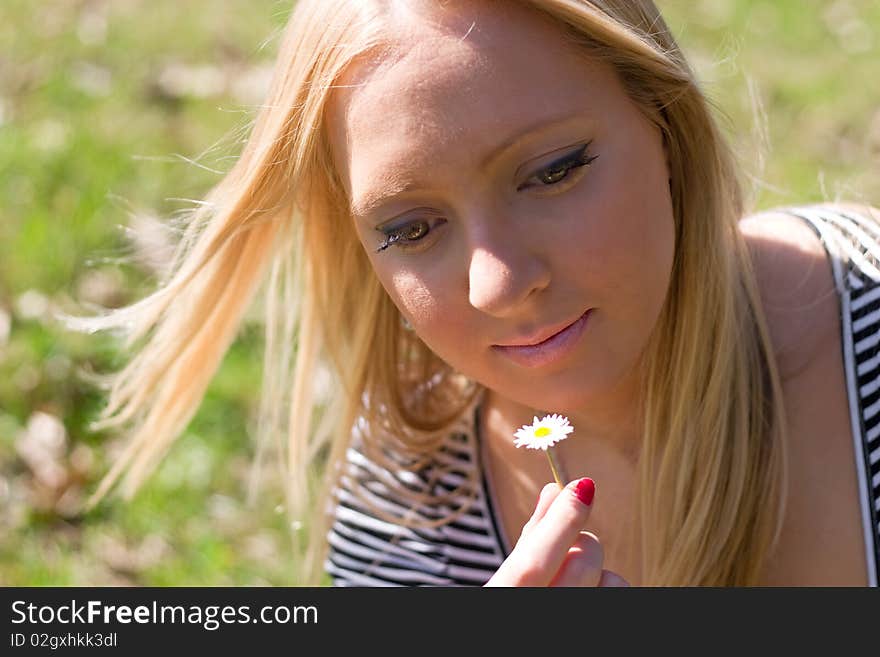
<point x="853" y="245"/>
<point x="366" y="550"/>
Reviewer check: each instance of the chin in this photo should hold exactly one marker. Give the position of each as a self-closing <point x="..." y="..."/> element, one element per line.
<point x="565" y="402"/>
<point x="552" y="396"/>
<point x="572" y="390"/>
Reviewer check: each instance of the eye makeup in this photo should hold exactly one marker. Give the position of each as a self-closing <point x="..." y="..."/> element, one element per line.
<point x="558" y="170"/>
<point x="409" y="233"/>
<point x="553" y="175"/>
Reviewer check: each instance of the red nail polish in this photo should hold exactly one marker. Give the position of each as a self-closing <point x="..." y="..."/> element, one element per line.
<point x="585" y="490"/>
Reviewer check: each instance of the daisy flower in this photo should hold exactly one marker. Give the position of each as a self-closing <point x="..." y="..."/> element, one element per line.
<point x="543" y="434"/>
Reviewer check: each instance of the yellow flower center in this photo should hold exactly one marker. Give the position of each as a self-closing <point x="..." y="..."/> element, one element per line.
<point x="540" y="432"/>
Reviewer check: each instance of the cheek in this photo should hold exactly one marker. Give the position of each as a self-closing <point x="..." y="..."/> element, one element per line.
<point x="626" y="237"/>
<point x="425" y="304"/>
<point x="411" y="295"/>
<point x="436" y="313"/>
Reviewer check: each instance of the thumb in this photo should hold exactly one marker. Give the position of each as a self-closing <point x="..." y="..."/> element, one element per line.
<point x="612" y="579"/>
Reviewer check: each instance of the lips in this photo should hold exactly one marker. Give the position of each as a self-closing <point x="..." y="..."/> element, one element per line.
<point x="540" y="335"/>
<point x="552" y="350"/>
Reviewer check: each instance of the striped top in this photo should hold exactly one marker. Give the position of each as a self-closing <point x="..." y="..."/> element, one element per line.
<point x="367" y="549"/>
<point x="376" y="549"/>
<point x="852" y="242"/>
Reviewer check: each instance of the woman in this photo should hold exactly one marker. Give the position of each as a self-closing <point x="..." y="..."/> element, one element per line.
<point x="434" y="187"/>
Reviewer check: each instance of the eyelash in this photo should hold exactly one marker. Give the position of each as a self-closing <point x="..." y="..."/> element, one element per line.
<point x="564" y="165"/>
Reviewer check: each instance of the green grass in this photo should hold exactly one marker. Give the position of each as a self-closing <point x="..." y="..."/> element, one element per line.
<point x="92" y="131"/>
<point x="89" y="137"/>
<point x="811" y="65"/>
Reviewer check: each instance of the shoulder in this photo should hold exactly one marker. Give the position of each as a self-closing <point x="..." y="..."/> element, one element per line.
<point x="796" y="281"/>
<point x="796" y="284"/>
<point x="822" y="541"/>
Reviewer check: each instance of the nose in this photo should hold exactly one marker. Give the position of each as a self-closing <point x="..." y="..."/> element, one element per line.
<point x="505" y="270"/>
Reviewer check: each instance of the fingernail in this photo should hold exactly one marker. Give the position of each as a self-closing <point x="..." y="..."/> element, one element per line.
<point x="585" y="490"/>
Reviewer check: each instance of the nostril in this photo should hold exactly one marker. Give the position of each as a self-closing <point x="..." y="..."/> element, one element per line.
<point x="498" y="286"/>
<point x="490" y="281"/>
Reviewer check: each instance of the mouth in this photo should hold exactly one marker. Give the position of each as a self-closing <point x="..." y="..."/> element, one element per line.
<point x="542" y="350"/>
<point x="542" y="335"/>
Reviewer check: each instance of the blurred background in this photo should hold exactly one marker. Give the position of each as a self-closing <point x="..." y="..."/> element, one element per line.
<point x="113" y="112"/>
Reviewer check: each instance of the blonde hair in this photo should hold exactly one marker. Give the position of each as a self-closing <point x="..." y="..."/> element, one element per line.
<point x="712" y="471"/>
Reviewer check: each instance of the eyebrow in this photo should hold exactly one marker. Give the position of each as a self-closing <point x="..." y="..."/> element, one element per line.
<point x="373" y="200"/>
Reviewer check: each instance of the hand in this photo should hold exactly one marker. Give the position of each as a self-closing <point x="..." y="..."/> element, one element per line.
<point x="553" y="549"/>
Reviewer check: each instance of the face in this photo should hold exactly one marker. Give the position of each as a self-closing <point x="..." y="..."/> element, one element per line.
<point x="514" y="186"/>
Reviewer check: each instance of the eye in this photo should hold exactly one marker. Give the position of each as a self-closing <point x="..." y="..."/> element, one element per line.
<point x="559" y="171"/>
<point x="406" y="236"/>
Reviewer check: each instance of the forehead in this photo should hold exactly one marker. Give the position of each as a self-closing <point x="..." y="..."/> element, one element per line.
<point x="453" y="86"/>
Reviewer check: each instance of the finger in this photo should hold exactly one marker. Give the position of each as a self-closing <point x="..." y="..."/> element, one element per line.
<point x="545" y="499"/>
<point x="583" y="563"/>
<point x="546" y="545"/>
<point x="610" y="578"/>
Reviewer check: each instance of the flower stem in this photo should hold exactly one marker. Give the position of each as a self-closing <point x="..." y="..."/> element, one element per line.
<point x="555" y="467"/>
